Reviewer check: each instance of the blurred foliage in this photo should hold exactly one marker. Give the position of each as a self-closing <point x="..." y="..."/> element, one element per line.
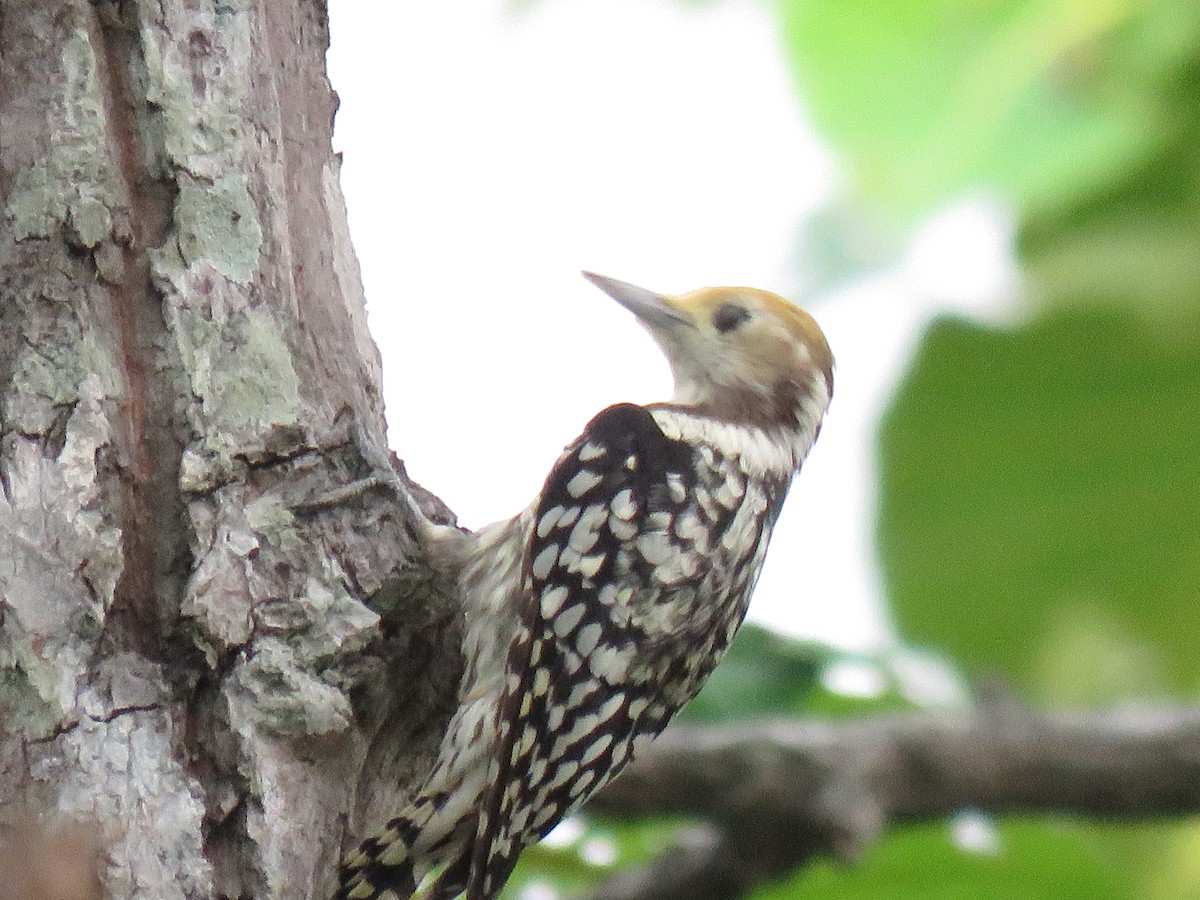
<point x="923" y="863"/>
<point x="1037" y="480"/>
<point x="763" y="674"/>
<point x="771" y="675"/>
<point x="1082" y="112"/>
<point x="1039" y="99"/>
<point x="1039" y="506"/>
<point x="595" y="851"/>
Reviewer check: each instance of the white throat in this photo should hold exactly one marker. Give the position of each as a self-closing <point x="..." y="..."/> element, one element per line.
<point x="763" y="451"/>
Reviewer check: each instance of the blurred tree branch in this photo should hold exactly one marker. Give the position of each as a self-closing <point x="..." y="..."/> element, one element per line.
<point x="774" y="795"/>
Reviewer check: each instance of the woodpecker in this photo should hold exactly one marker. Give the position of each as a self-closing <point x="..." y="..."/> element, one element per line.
<point x="594" y="615"/>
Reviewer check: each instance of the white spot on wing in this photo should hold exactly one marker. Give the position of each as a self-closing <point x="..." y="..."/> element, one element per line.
<point x="597" y="747"/>
<point x="552" y="600"/>
<point x="724" y="495"/>
<point x="588" y="638"/>
<point x="590" y="565"/>
<point x="659" y="520"/>
<point x="654" y="547"/>
<point x="566" y="621"/>
<point x="624" y="531"/>
<point x="580" y="692"/>
<point x="545" y="561"/>
<point x="619" y="753"/>
<point x="584" y="726"/>
<point x="675" y="487"/>
<point x="569" y="559"/>
<point x="590" y="451"/>
<point x="610" y="706"/>
<point x="548" y="520"/>
<point x="610" y="663"/>
<point x="582" y="482"/>
<point x="678" y="568"/>
<point x="541" y="682"/>
<point x="689" y="527"/>
<point x="622" y="504"/>
<point x="583" y="782"/>
<point x="587" y="530"/>
<point x="544" y="815"/>
<point x="565" y="772"/>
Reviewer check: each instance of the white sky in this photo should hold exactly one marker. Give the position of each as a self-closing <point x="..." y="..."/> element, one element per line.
<point x="492" y="150"/>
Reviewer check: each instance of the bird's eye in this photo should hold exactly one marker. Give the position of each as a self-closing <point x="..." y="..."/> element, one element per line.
<point x="729" y="316"/>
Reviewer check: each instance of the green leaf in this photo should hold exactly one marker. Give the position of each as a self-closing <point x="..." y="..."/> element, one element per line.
<point x="1034" y="860"/>
<point x="763" y="673"/>
<point x="1040" y="503"/>
<point x="1041" y="100"/>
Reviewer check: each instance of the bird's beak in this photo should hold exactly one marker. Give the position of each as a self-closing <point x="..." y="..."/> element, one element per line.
<point x="654" y="310"/>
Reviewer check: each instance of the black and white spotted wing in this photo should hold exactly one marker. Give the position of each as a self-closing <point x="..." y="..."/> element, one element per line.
<point x="581" y="689"/>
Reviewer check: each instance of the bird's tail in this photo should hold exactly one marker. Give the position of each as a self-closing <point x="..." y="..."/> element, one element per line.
<point x="419" y="853"/>
<point x="381" y="863"/>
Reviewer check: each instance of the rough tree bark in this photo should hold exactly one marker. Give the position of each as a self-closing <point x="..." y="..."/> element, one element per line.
<point x="222" y="654"/>
<point x="190" y="617"/>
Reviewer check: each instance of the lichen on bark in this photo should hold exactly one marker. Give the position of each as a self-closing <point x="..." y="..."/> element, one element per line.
<point x="199" y="658"/>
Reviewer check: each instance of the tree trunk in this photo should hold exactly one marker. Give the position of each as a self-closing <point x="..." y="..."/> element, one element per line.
<point x="205" y="571"/>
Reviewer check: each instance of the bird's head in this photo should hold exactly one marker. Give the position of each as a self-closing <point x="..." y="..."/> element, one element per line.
<point x="738" y="354"/>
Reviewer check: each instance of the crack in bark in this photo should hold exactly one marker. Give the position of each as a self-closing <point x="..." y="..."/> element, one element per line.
<point x="145" y="598"/>
<point x="119" y="711"/>
<point x="60" y="728"/>
<point x="63" y="728"/>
